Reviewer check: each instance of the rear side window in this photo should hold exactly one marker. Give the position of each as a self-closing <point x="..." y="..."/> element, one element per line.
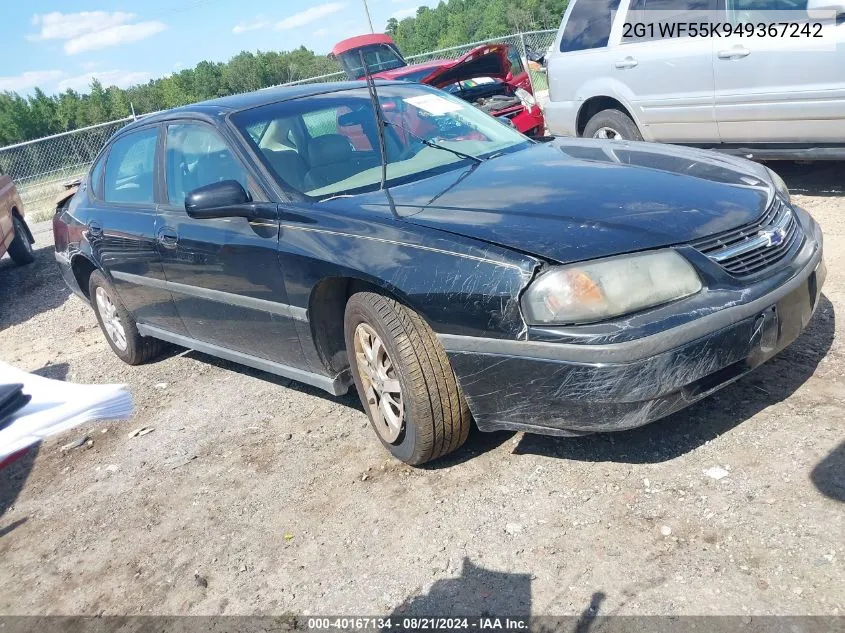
<point x="130" y="168"/>
<point x="589" y="25"/>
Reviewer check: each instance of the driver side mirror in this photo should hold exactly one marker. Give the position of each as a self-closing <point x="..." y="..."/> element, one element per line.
<point x="225" y="199"/>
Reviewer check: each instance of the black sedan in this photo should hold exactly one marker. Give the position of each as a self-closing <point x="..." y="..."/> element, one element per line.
<point x="400" y="240"/>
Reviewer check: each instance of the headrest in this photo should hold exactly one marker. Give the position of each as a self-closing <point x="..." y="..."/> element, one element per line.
<point x="329" y="149"/>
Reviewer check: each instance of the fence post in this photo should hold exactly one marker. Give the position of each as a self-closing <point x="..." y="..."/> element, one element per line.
<point x="524" y="55"/>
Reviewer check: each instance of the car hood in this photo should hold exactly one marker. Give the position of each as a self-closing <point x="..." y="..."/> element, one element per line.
<point x="489" y="60"/>
<point x="568" y="200"/>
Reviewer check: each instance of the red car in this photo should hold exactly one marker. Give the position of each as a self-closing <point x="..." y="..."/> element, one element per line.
<point x="15" y="236"/>
<point x="491" y="76"/>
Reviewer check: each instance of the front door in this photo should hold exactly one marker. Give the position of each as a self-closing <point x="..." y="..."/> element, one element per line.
<point x="224" y="273"/>
<point x="783" y="86"/>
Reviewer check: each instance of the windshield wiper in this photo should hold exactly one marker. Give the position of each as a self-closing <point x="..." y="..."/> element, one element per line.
<point x="428" y="143"/>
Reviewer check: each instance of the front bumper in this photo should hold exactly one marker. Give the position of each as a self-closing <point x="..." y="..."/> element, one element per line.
<point x="570" y="389"/>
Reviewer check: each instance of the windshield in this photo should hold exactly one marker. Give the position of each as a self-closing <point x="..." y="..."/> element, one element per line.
<point x="378" y="57"/>
<point x="327" y="145"/>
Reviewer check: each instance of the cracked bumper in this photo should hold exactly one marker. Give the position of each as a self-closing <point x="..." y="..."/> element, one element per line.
<point x="566" y="389"/>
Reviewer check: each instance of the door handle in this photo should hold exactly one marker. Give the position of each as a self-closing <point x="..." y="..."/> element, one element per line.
<point x="628" y="62"/>
<point x="94" y="229"/>
<point x="737" y="52"/>
<point x="167" y="237"/>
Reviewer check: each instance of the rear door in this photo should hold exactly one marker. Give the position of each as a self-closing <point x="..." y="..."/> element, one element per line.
<point x="787" y="89"/>
<point x="224" y="273"/>
<point x="121" y="228"/>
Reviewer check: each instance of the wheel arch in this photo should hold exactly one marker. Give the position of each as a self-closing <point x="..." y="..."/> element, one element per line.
<point x="594" y="105"/>
<point x="327" y="308"/>
<point x="82" y="268"/>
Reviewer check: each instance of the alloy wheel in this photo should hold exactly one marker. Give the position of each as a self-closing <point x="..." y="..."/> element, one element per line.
<point x="608" y="133"/>
<point x="382" y="389"/>
<point x="111" y="320"/>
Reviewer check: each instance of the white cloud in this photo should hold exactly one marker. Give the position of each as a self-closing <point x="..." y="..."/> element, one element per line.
<point x="401" y="14"/>
<point x="30" y="79"/>
<point x="93" y="30"/>
<point x="119" y="78"/>
<point x="309" y="15"/>
<point x="251" y="25"/>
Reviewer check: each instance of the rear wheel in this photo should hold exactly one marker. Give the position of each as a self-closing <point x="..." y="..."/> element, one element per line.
<point x="613" y="125"/>
<point x="404" y="380"/>
<point x="118" y="325"/>
<point x="20" y="250"/>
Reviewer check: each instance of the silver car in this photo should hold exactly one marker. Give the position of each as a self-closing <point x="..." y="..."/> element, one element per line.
<point x="766" y="96"/>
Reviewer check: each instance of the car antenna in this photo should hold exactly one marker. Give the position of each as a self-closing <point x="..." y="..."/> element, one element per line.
<point x="381" y="125"/>
<point x="371" y="86"/>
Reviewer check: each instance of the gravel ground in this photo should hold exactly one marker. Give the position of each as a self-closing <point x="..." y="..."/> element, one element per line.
<point x="257" y="495"/>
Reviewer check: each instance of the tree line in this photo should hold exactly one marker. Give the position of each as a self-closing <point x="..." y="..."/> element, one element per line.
<point x="451" y="23"/>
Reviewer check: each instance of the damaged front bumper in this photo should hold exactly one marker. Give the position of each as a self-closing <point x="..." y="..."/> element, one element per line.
<point x="557" y="388"/>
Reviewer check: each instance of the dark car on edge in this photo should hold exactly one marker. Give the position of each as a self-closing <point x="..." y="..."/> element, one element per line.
<point x="564" y="287"/>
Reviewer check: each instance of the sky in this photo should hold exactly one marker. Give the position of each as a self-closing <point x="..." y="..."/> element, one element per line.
<point x="61" y="44"/>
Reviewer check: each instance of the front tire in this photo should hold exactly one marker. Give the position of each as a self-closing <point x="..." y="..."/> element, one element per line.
<point x="20" y="250"/>
<point x="404" y="380"/>
<point x="613" y="125"/>
<point x="118" y="325"/>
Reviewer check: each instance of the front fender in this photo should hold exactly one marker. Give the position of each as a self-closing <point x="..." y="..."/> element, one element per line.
<point x="459" y="285"/>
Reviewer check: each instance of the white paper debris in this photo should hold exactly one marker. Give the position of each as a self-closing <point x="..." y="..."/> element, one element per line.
<point x="57" y="406"/>
<point x="434" y="104"/>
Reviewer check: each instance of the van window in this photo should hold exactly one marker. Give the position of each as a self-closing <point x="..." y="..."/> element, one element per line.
<point x="589" y="25"/>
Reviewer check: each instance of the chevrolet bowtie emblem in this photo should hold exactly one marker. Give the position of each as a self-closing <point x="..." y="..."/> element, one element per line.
<point x="774" y="238"/>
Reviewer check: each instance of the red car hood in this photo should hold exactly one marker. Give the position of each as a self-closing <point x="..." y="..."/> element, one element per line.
<point x="488" y="60"/>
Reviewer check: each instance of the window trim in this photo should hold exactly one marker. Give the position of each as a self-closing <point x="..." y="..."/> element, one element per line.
<point x="151" y="206"/>
<point x="254" y="185"/>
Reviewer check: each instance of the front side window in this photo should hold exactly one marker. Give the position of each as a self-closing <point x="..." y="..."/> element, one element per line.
<point x="130" y="167"/>
<point x="339" y="153"/>
<point x="589" y="25"/>
<point x="196" y="156"/>
<point x="645" y="13"/>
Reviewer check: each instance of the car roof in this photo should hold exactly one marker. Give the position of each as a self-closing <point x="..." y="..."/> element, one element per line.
<point x="222" y="106"/>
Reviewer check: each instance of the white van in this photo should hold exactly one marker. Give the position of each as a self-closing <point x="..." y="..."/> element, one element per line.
<point x="768" y="93"/>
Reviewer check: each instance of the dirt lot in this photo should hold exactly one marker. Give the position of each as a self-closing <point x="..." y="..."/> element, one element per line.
<point x="255" y="495"/>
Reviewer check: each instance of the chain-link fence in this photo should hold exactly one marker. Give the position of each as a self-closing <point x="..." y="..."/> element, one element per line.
<point x="41" y="167"/>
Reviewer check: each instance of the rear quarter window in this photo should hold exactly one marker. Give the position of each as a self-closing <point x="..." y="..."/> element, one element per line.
<point x="588" y="25"/>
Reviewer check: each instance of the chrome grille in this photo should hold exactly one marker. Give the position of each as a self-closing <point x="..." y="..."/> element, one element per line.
<point x="756" y="246"/>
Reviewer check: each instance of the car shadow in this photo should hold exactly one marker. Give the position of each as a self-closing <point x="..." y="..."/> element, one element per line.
<point x="829" y="474"/>
<point x="476" y="592"/>
<point x="14" y="471"/>
<point x="350" y="399"/>
<point x="53" y="371"/>
<point x="26" y="291"/>
<point x="690" y="428"/>
<point x="819" y="178"/>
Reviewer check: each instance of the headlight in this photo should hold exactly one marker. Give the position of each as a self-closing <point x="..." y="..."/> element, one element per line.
<point x="780" y="185"/>
<point x="526" y="97"/>
<point x="602" y="289"/>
